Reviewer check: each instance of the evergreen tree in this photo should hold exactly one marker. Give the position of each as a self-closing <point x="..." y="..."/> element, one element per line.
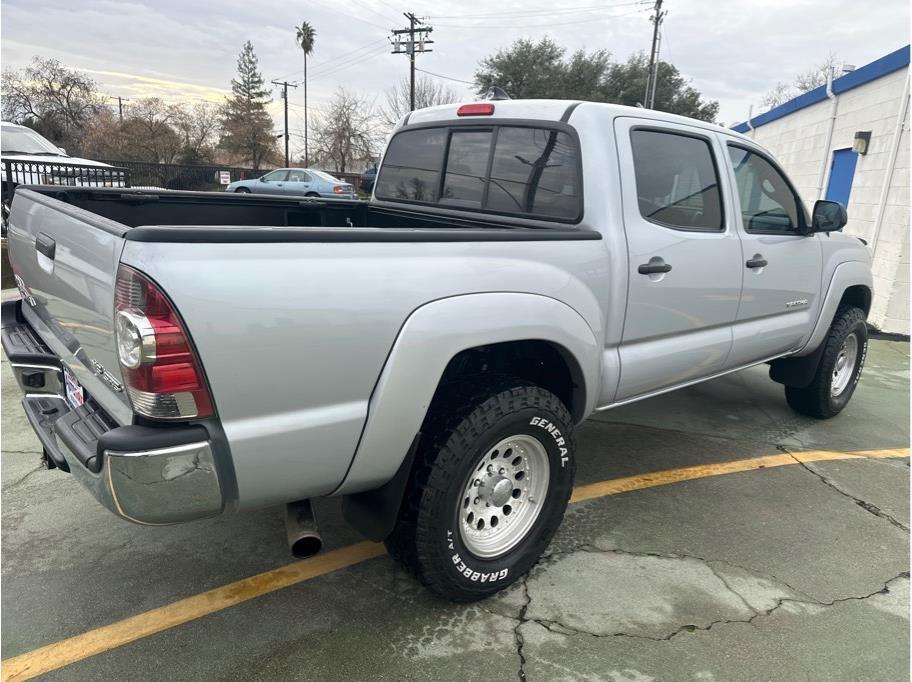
<point x="247" y="128"/>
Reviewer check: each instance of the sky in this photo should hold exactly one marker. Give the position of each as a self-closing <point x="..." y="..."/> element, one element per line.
<point x="186" y="50"/>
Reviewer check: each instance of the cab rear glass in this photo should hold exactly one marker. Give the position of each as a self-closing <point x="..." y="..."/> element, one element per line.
<point x="507" y="169"/>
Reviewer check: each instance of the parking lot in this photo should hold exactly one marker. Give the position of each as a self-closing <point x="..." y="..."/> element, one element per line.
<point x="714" y="534"/>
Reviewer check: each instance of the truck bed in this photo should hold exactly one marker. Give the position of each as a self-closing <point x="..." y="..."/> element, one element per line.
<point x="214" y="216"/>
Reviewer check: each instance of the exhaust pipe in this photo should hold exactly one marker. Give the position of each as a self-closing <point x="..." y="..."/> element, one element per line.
<point x="304" y="537"/>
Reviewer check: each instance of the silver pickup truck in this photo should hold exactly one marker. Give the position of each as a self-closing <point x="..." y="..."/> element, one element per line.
<point x="425" y="355"/>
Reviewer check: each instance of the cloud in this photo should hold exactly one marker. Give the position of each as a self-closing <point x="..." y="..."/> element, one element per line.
<point x="732" y="51"/>
<point x="136" y="86"/>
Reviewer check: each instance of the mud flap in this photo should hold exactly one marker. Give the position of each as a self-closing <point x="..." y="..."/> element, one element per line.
<point x="797" y="372"/>
<point x="373" y="513"/>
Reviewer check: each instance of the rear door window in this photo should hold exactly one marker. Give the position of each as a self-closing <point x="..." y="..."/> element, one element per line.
<point x="503" y="169"/>
<point x="676" y="180"/>
<point x="411" y="168"/>
<point x="466" y="168"/>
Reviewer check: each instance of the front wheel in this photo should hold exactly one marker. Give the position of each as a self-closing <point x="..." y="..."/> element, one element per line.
<point x="242" y="190"/>
<point x="487" y="494"/>
<point x="843" y="357"/>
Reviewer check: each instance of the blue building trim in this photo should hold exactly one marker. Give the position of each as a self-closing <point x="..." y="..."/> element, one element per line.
<point x="865" y="74"/>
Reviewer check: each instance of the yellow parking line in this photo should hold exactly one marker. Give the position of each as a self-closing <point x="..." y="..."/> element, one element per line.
<point x="640" y="481"/>
<point x="68" y="651"/>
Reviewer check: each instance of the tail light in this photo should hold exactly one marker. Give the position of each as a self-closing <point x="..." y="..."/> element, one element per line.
<point x="339" y="189"/>
<point x="163" y="376"/>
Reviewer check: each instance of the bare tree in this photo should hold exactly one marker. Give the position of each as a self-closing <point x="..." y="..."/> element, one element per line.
<point x="104" y="138"/>
<point x="428" y="93"/>
<point x="345" y="133"/>
<point x="198" y="127"/>
<point x="150" y="133"/>
<point x="803" y="82"/>
<point x="57" y="101"/>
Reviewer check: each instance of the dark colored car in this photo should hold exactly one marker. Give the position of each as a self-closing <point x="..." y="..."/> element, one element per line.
<point x="366" y="183"/>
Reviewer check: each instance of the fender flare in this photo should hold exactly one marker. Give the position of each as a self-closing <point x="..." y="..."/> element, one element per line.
<point x="430" y="337"/>
<point x="845" y="275"/>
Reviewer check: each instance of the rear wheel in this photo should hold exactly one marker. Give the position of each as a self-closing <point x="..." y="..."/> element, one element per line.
<point x="487" y="493"/>
<point x="311" y="194"/>
<point x="840" y="368"/>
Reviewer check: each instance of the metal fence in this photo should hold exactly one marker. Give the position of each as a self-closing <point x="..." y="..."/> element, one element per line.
<point x="136" y="174"/>
<point x="180" y="176"/>
<point x="53" y="173"/>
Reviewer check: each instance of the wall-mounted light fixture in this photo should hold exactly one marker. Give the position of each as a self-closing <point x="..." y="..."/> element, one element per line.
<point x="862" y="140"/>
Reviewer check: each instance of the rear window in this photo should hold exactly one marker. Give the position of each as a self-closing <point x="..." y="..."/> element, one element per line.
<point x="500" y="169"/>
<point x="411" y="167"/>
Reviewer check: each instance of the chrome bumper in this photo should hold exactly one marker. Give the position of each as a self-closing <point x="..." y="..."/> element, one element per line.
<point x="147" y="475"/>
<point x="156" y="487"/>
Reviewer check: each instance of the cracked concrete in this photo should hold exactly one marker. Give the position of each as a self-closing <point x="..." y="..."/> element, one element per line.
<point x="867" y="506"/>
<point x="798" y="572"/>
<point x="656" y="597"/>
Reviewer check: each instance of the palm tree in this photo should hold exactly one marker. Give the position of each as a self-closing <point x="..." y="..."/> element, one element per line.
<point x="306" y="36"/>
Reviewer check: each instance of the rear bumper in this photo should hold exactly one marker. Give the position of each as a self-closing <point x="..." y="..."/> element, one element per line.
<point x="149" y="475"/>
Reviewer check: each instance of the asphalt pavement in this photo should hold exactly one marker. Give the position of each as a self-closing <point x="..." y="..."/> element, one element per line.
<point x="677" y="564"/>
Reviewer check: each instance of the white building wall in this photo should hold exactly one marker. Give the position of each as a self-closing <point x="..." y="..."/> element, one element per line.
<point x="798" y="142"/>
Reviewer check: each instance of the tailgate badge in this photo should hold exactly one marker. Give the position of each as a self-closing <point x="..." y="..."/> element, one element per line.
<point x="24" y="292"/>
<point x="99" y="371"/>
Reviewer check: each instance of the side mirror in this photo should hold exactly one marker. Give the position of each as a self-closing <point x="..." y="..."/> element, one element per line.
<point x="262" y="178"/>
<point x="62" y="151"/>
<point x="828" y="216"/>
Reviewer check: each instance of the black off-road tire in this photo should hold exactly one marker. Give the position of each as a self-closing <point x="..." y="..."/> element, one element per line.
<point x="426" y="539"/>
<point x="816" y="400"/>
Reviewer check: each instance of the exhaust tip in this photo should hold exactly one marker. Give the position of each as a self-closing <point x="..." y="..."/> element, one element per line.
<point x="304" y="537"/>
<point x="307" y="546"/>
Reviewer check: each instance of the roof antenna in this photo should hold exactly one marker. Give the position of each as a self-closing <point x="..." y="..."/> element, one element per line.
<point x="498" y="92"/>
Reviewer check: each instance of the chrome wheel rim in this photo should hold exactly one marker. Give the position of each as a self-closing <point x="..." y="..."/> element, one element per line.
<point x="845" y="365"/>
<point x="503" y="496"/>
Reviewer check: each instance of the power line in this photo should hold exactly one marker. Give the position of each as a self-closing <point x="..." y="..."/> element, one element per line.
<point x="546" y="12"/>
<point x="337" y="58"/>
<point x="549" y="24"/>
<point x="334" y="7"/>
<point x="367" y="6"/>
<point x="336" y="68"/>
<point x="440" y="75"/>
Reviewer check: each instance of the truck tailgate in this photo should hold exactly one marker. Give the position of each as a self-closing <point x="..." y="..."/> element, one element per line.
<point x="65" y="260"/>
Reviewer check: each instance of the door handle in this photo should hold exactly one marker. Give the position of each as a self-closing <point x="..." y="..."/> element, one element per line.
<point x="757" y="262"/>
<point x="45" y="245"/>
<point x="653" y="268"/>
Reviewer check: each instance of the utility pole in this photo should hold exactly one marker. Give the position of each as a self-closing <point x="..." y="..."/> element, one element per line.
<point x="652" y="74"/>
<point x="285" y="85"/>
<point x="411" y="46"/>
<point x="120" y="104"/>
